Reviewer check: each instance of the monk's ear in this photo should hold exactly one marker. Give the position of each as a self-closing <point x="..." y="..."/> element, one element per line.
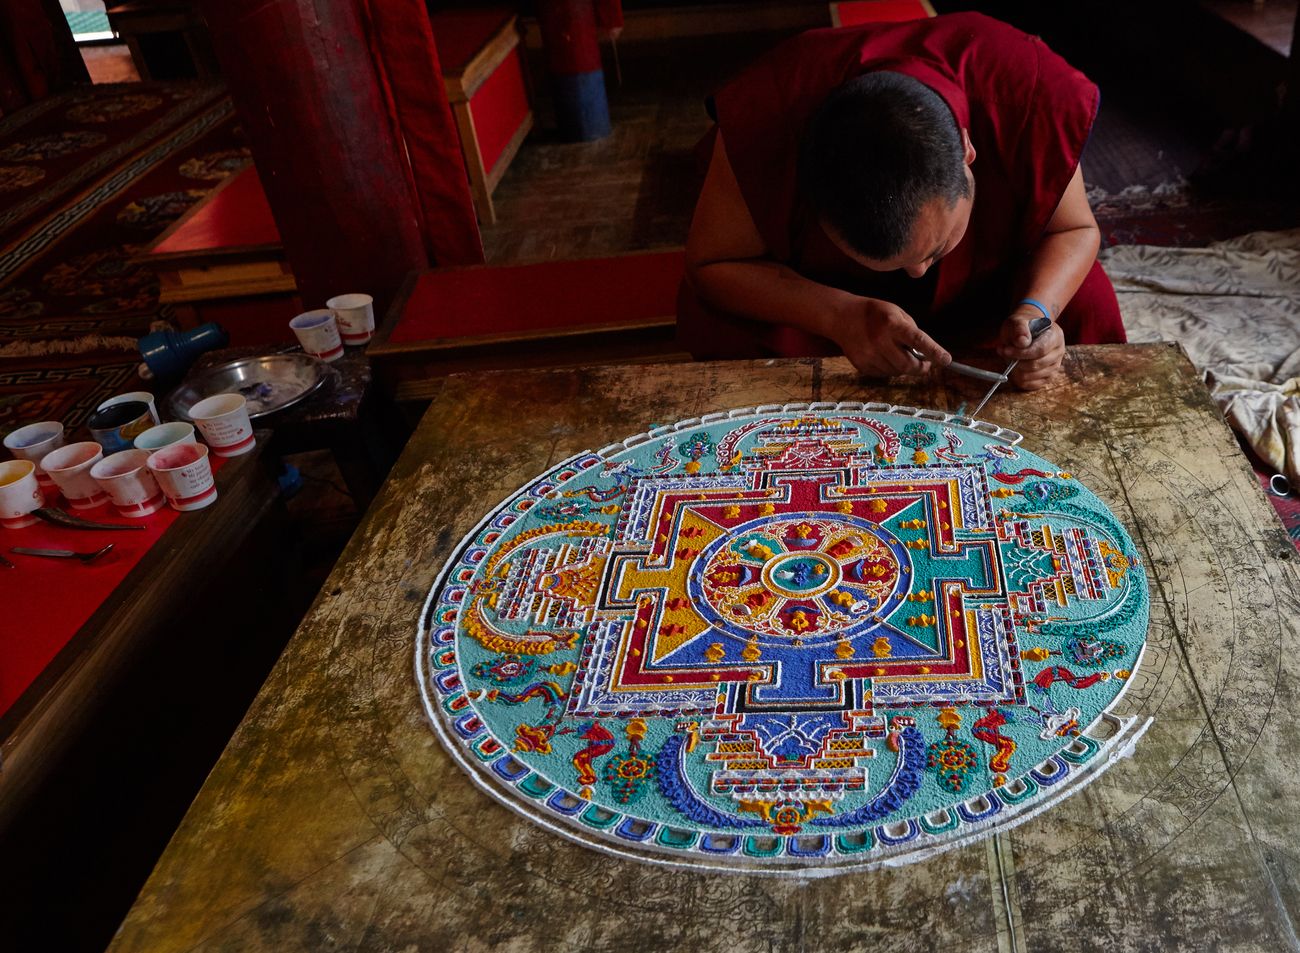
<point x="967" y="148"/>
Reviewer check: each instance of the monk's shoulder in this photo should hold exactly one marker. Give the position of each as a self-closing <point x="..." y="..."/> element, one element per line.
<point x="1007" y="65"/>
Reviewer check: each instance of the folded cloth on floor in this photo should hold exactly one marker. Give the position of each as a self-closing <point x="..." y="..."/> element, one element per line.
<point x="1235" y="307"/>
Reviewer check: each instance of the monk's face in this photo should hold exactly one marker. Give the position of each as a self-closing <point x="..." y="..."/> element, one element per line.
<point x="939" y="228"/>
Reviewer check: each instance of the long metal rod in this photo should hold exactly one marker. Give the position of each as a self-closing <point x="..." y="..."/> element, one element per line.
<point x="965" y="369"/>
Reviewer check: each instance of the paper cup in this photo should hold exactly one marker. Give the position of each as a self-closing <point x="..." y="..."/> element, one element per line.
<point x="223" y="421"/>
<point x="141" y="395"/>
<point x="70" y="468"/>
<point x="19" y="494"/>
<point x="184" y="474"/>
<point x="318" y="333"/>
<point x="355" y="315"/>
<point x="164" y="435"/>
<point x="33" y="442"/>
<point x="129" y="484"/>
<point x="116" y="426"/>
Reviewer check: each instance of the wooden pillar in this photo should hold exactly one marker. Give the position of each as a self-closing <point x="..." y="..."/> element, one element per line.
<point x="321" y="112"/>
<point x="573" y="59"/>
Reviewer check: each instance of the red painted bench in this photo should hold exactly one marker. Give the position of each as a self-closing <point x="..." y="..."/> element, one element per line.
<point x="554" y="313"/>
<point x="484" y="77"/>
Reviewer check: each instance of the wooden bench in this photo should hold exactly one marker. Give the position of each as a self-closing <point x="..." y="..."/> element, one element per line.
<point x="484" y="77"/>
<point x="619" y="309"/>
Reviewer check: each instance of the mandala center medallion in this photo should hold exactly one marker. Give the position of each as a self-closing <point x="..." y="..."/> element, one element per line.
<point x="798" y="581"/>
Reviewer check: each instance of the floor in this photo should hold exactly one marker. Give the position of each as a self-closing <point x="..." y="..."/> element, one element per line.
<point x="1272" y="22"/>
<point x="110" y="63"/>
<point x="1166" y="117"/>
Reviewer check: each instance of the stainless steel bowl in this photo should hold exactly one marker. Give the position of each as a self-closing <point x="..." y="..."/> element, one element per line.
<point x="270" y="383"/>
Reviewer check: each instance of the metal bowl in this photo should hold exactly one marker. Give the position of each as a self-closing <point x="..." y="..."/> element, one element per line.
<point x="270" y="383"/>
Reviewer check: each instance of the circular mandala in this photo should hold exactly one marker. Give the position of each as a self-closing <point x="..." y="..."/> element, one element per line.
<point x="52" y="146"/>
<point x="110" y="110"/>
<point x="19" y="176"/>
<point x="821" y="636"/>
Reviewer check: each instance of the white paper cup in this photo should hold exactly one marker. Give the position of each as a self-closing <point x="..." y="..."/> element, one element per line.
<point x="33" y="442"/>
<point x="184" y="474"/>
<point x="70" y="467"/>
<point x="223" y="421"/>
<point x="140" y="395"/>
<point x="318" y="333"/>
<point x="129" y="484"/>
<point x="355" y="314"/>
<point x="164" y="435"/>
<point x="19" y="494"/>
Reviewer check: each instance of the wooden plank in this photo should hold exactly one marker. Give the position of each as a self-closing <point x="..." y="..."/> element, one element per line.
<point x="508" y="153"/>
<point x="334" y="811"/>
<point x="478" y="182"/>
<point x="224" y="279"/>
<point x="489" y="57"/>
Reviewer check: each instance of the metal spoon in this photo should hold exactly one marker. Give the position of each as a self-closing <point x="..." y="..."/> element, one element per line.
<point x="61" y="553"/>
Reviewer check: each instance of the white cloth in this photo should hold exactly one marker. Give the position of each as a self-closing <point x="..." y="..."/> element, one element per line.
<point x="1235" y="307"/>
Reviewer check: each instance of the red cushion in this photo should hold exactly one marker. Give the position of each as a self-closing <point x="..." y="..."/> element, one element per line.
<point x="533" y="299"/>
<point x="236" y="217"/>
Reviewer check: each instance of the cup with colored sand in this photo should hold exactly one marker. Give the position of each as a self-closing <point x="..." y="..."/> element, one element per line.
<point x="318" y="333"/>
<point x="116" y="426"/>
<point x="20" y="494"/>
<point x="165" y="435"/>
<point x="223" y="421"/>
<point x="141" y="395"/>
<point x="70" y="467"/>
<point x="126" y="479"/>
<point x="183" y="472"/>
<point x="33" y="442"/>
<point x="355" y="314"/>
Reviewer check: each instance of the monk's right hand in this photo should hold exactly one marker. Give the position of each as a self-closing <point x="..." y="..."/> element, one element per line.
<point x="879" y="338"/>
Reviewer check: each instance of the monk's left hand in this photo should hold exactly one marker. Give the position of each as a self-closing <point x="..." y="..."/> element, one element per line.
<point x="1040" y="360"/>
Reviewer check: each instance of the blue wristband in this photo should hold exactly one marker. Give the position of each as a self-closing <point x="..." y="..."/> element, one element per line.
<point x="1039" y="305"/>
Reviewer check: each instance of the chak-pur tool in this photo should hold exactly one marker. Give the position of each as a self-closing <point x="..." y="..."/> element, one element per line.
<point x="957" y="367"/>
<point x="61" y="553"/>
<point x="1036" y="327"/>
<point x="68" y="521"/>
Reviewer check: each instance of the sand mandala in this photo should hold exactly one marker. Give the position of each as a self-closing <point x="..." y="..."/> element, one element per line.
<point x="806" y="638"/>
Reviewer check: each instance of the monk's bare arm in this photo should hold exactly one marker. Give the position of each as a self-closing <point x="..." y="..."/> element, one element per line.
<point x="1054" y="273"/>
<point x="728" y="265"/>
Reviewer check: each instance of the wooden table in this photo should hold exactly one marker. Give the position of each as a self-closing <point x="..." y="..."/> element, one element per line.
<point x="334" y="818"/>
<point x="145" y="606"/>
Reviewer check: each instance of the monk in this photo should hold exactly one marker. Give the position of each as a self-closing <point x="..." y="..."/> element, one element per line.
<point x="896" y="190"/>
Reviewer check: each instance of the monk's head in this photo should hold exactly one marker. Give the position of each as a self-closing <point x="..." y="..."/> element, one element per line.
<point x="886" y="169"/>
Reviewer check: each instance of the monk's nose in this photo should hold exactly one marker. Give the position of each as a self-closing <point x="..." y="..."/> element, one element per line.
<point x="916" y="271"/>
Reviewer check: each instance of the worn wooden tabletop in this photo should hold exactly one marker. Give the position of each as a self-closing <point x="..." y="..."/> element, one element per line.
<point x="335" y="821"/>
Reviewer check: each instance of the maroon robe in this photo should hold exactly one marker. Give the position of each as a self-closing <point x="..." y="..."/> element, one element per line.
<point x="1029" y="114"/>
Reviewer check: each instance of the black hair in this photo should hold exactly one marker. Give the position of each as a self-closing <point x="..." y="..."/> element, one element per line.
<point x="878" y="149"/>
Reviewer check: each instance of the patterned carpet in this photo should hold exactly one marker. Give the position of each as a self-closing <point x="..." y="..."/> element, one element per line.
<point x="87" y="180"/>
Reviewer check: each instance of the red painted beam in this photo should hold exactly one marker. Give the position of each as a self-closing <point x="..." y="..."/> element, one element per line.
<point x="327" y="122"/>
